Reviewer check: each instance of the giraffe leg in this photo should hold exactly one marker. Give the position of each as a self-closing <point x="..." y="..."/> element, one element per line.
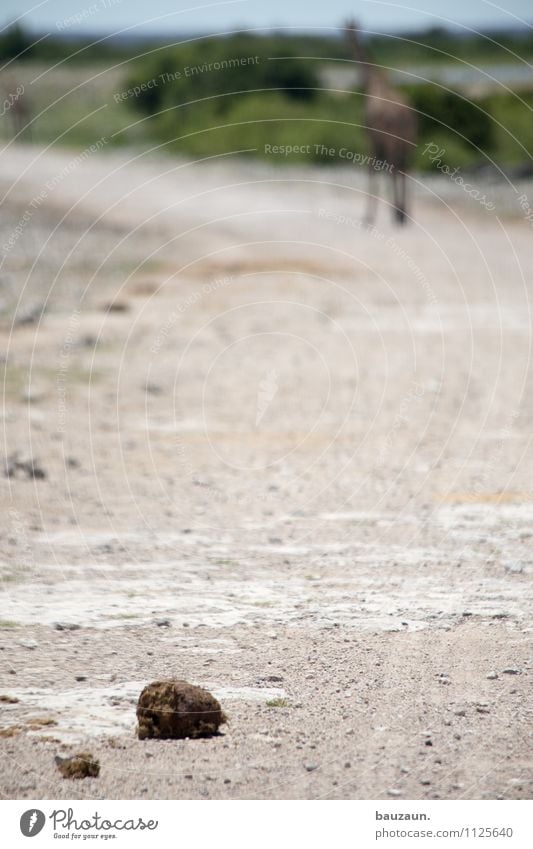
<point x="394" y="195"/>
<point x="371" y="199"/>
<point x="399" y="197"/>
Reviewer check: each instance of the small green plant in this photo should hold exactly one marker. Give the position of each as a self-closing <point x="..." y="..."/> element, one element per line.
<point x="278" y="703"/>
<point x="124" y="616"/>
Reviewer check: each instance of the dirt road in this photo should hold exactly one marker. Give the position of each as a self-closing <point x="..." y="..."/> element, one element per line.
<point x="281" y="456"/>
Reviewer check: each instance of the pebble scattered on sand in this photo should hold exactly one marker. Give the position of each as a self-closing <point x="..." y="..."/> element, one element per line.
<point x="28" y="644"/>
<point x="514" y="566"/>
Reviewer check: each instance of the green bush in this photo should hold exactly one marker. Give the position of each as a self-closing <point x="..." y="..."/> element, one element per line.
<point x="219" y="70"/>
<point x="254" y="121"/>
<point x="512" y="126"/>
<point x="445" y="112"/>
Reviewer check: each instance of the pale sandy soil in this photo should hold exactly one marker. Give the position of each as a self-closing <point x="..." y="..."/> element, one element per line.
<point x="305" y="445"/>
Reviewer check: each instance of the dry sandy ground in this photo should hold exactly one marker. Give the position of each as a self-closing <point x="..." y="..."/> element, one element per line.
<point x="285" y="457"/>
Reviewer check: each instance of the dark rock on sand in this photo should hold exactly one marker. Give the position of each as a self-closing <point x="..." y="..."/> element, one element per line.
<point x="82" y="765"/>
<point x="176" y="709"/>
<point x="17" y="468"/>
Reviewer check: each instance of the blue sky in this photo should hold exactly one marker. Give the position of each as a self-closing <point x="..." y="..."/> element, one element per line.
<point x="169" y="16"/>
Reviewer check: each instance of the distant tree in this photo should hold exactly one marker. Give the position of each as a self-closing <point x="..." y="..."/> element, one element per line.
<point x="15" y="43"/>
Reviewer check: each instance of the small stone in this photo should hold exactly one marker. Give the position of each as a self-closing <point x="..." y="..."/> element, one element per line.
<point x="227" y="781"/>
<point x="392" y="791"/>
<point x="162" y="623"/>
<point x="28" y="644"/>
<point x="460" y="712"/>
<point x="513" y="566"/>
<point x="492" y="676"/>
<point x="511" y="670"/>
<point x="115" y="306"/>
<point x="425" y="781"/>
<point x="24" y="469"/>
<point x="153" y="388"/>
<point x="66" y="626"/>
<point x="81" y="678"/>
<point x="311" y="767"/>
<point x="347" y="765"/>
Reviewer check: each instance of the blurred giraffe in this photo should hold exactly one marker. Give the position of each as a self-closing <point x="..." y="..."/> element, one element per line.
<point x="390" y="122"/>
<point x="15" y="107"/>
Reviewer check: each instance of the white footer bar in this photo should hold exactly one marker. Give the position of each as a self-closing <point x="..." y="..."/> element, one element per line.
<point x="268" y="824"/>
